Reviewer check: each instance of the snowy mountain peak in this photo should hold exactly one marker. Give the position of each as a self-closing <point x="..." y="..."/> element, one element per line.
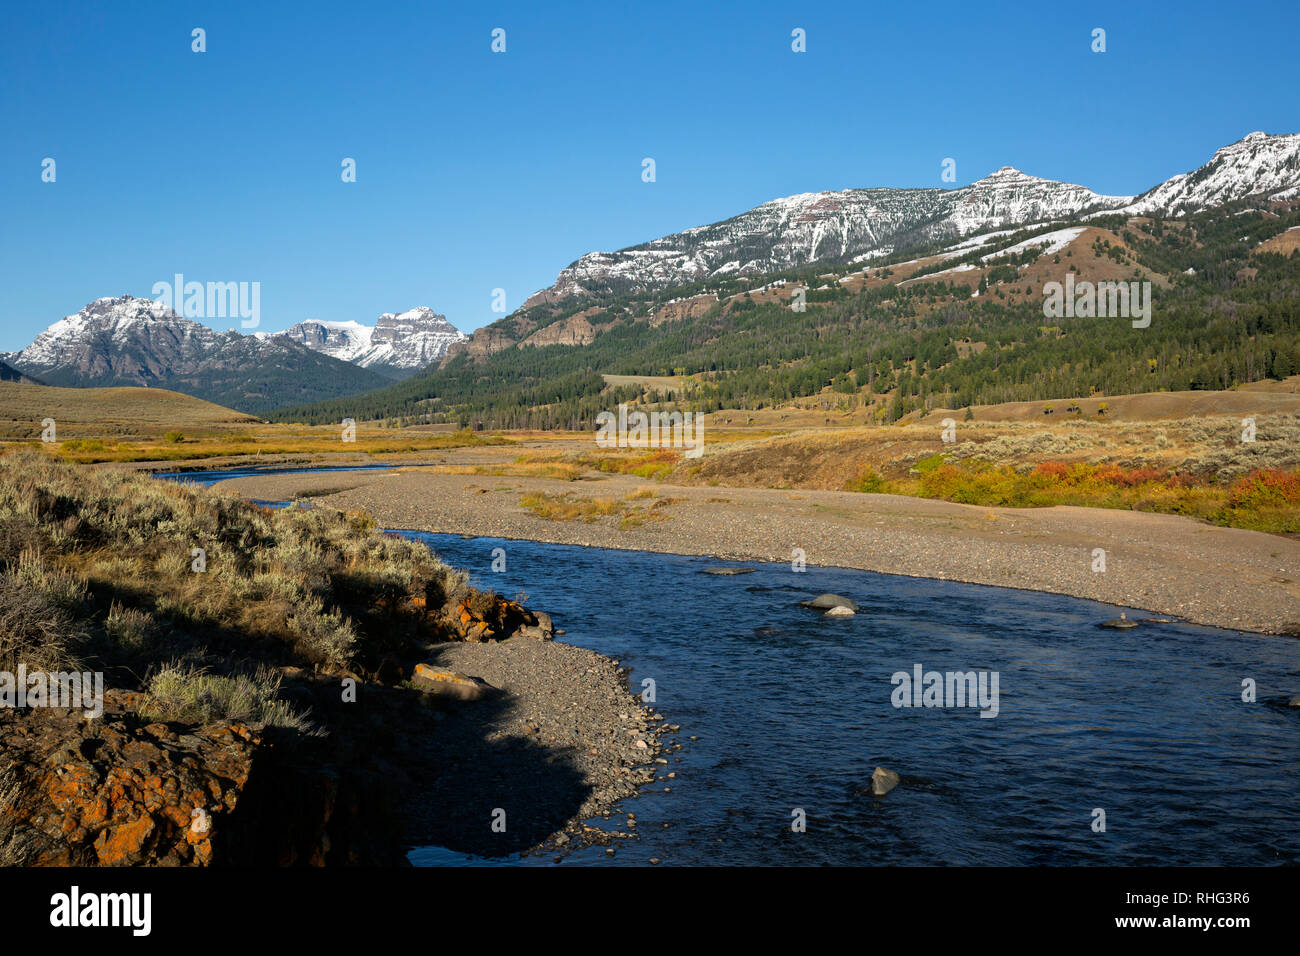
<point x="400" y="341"/>
<point x="1005" y="173"/>
<point x="1255" y="164"/>
<point x="124" y="340"/>
<point x="854" y="223"/>
<point x="112" y="319"/>
<point x="803" y="228"/>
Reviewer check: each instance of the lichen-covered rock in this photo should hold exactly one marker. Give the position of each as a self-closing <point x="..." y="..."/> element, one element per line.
<point x="489" y="617"/>
<point x="117" y="790"/>
<point x="445" y="683"/>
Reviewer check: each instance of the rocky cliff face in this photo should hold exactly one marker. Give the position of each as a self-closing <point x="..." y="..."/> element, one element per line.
<point x="486" y="341"/>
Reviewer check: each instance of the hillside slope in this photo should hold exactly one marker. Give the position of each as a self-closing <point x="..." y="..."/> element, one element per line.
<point x="943" y="326"/>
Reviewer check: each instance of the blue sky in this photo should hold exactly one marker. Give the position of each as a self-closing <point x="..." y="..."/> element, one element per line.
<point x="478" y="171"/>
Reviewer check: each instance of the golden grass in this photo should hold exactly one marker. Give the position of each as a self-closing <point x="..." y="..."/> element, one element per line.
<point x="152" y="424"/>
<point x="1263" y="500"/>
<point x="108" y="411"/>
<point x="569" y="507"/>
<point x="525" y="466"/>
<point x="268" y="440"/>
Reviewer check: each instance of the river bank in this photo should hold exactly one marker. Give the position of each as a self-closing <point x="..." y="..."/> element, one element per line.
<point x="282" y="687"/>
<point x="1167" y="565"/>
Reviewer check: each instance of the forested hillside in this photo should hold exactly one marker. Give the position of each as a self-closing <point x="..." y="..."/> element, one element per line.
<point x="919" y="329"/>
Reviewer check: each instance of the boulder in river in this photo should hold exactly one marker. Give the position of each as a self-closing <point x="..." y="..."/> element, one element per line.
<point x="824" y="602"/>
<point x="882" y="781"/>
<point x="1120" y="623"/>
<point x="840" y="611"/>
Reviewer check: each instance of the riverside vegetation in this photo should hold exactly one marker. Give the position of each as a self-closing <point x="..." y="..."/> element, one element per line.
<point x="1194" y="467"/>
<point x="227" y="679"/>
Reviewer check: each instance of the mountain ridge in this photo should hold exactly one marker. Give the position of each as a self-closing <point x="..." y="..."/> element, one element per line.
<point x="125" y="340"/>
<point x="887" y="331"/>
<point x="398" y="343"/>
<point x="857" y="224"/>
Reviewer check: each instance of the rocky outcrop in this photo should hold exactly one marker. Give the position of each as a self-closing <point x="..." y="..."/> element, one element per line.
<point x="484" y="342"/>
<point x="683" y="309"/>
<point x="489" y="617"/>
<point x="126" y="790"/>
<point x="118" y="790"/>
<point x="575" y="330"/>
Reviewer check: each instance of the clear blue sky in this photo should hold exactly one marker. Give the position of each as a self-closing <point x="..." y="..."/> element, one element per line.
<point x="478" y="170"/>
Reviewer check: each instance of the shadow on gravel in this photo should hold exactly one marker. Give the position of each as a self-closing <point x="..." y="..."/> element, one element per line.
<point x="469" y="772"/>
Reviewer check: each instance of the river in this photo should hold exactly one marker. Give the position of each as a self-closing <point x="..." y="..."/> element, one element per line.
<point x="794" y="710"/>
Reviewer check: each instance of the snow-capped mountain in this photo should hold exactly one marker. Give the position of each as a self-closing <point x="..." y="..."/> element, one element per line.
<point x="800" y="229"/>
<point x="116" y="335"/>
<point x="347" y="341"/>
<point x="855" y="223"/>
<point x="1258" y="163"/>
<point x="130" y="341"/>
<point x="402" y="342"/>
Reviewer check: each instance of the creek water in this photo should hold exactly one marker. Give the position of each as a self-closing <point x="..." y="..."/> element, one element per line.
<point x="793" y="711"/>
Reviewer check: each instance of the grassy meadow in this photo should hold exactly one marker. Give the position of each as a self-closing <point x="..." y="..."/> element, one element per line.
<point x="94" y="425"/>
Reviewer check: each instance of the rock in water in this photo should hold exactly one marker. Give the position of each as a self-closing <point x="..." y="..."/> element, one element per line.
<point x="1294" y="701"/>
<point x="1119" y="623"/>
<point x="840" y="611"/>
<point x="882" y="781"/>
<point x="825" y="602"/>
